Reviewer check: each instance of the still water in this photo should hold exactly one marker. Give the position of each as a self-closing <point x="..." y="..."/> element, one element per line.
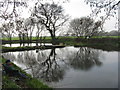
<point x="25" y="44"/>
<point x="70" y="67"/>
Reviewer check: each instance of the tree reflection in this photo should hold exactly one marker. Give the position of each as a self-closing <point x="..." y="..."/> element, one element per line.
<point x="52" y="70"/>
<point x="51" y="65"/>
<point x="84" y="59"/>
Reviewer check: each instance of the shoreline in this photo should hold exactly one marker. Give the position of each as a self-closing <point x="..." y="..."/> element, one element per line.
<point x="10" y="82"/>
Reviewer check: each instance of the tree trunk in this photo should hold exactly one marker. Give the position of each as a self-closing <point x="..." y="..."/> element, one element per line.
<point x="54" y="42"/>
<point x="28" y="39"/>
<point x="10" y="40"/>
<point x="20" y="39"/>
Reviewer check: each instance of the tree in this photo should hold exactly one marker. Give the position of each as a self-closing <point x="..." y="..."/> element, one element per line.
<point x="8" y="30"/>
<point x="29" y="27"/>
<point x="85" y="26"/>
<point x="107" y="7"/>
<point x="10" y="11"/>
<point x="51" y="16"/>
<point x="102" y="33"/>
<point x="113" y="33"/>
<point x="20" y="30"/>
<point x="9" y="8"/>
<point x="40" y="28"/>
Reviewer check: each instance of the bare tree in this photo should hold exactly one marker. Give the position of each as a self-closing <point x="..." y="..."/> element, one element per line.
<point x="51" y="16"/>
<point x="8" y="30"/>
<point x="85" y="26"/>
<point x="10" y="11"/>
<point x="20" y="30"/>
<point x="9" y="8"/>
<point x="40" y="28"/>
<point x="29" y="27"/>
<point x="109" y="7"/>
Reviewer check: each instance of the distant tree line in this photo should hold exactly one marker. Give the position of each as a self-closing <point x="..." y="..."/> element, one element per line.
<point x="110" y="33"/>
<point x="100" y="33"/>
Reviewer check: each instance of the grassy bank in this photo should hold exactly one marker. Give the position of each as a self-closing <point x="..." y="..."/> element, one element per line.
<point x="8" y="49"/>
<point x="104" y="43"/>
<point x="59" y="39"/>
<point x="10" y="82"/>
<point x="108" y="44"/>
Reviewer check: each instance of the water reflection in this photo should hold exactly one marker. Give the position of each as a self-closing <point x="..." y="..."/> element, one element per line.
<point x="85" y="58"/>
<point x="51" y="65"/>
<point x="26" y="44"/>
<point x="52" y="70"/>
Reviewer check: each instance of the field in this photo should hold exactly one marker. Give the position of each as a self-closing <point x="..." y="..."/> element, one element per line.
<point x="72" y="37"/>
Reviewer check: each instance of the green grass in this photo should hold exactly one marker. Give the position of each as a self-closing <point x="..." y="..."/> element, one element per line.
<point x="48" y="38"/>
<point x="106" y="37"/>
<point x="107" y="41"/>
<point x="13" y="38"/>
<point x="32" y="83"/>
<point x="7" y="83"/>
<point x="33" y="38"/>
<point x="60" y="39"/>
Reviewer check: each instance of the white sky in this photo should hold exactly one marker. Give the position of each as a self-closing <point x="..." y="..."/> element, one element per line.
<point x="78" y="8"/>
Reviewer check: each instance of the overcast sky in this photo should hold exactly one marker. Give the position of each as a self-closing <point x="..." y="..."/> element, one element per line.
<point x="78" y="8"/>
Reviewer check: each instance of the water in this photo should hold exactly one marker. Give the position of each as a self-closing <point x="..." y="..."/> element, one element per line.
<point x="25" y="44"/>
<point x="70" y="67"/>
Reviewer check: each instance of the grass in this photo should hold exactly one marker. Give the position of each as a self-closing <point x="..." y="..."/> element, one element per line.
<point x="33" y="38"/>
<point x="106" y="37"/>
<point x="32" y="83"/>
<point x="7" y="83"/>
<point x="106" y="42"/>
<point x="60" y="37"/>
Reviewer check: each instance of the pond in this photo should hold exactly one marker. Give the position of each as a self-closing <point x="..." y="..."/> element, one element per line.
<point x="70" y="67"/>
<point x="25" y="44"/>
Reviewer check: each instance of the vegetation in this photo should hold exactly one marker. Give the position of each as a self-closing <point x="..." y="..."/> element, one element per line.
<point x="48" y="38"/>
<point x="109" y="7"/>
<point x="10" y="82"/>
<point x="8" y="49"/>
<point x="85" y="26"/>
<point x="50" y="17"/>
<point x="106" y="42"/>
<point x="44" y="17"/>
